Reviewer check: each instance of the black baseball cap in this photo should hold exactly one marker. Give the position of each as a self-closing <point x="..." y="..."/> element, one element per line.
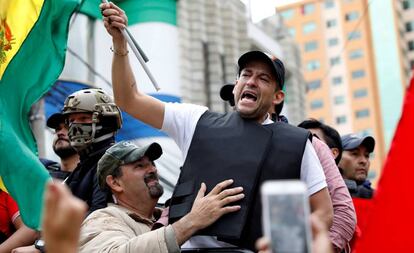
<point x="55" y="119"/>
<point x="275" y="64"/>
<point x="352" y="141"/>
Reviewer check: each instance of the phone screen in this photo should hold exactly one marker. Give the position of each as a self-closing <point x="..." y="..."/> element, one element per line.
<point x="286" y="219"/>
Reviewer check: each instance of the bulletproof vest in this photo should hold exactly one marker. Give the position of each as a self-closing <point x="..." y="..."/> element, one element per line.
<point x="230" y="147"/>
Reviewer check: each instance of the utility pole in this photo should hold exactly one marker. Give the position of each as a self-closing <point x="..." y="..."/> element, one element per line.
<point x="38" y="123"/>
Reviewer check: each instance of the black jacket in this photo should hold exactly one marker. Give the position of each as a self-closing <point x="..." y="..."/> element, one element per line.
<point x="54" y="169"/>
<point x="83" y="181"/>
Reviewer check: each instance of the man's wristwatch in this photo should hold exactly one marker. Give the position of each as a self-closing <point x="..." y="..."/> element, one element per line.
<point x="40" y="245"/>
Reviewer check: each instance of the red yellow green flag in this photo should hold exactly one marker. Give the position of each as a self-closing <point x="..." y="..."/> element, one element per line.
<point x="33" y="36"/>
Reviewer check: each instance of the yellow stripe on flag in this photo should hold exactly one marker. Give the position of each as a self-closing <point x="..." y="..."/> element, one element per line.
<point x="17" y="17"/>
<point x="2" y="187"/>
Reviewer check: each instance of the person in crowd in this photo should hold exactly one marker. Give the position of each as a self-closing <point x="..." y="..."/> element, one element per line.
<point x="327" y="134"/>
<point x="69" y="158"/>
<point x="344" y="220"/>
<point x="328" y="146"/>
<point x="355" y="164"/>
<point x="130" y="173"/>
<point x="232" y="140"/>
<point x="13" y="232"/>
<point x="92" y="120"/>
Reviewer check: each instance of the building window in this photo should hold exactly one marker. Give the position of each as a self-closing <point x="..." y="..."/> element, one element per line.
<point x="340" y="120"/>
<point x="311" y="46"/>
<point x="292" y="31"/>
<point x="333" y="42"/>
<point x="358" y="74"/>
<point x="409" y="26"/>
<point x="339" y="100"/>
<point x="410" y="45"/>
<point x="316" y="104"/>
<point x="331" y="23"/>
<point x="308" y="8"/>
<point x="314" y="85"/>
<point x="287" y="14"/>
<point x="360" y="93"/>
<point x="355" y="54"/>
<point x="354" y="35"/>
<point x="362" y="113"/>
<point x="309" y="27"/>
<point x="313" y="65"/>
<point x="351" y="16"/>
<point x="366" y="132"/>
<point x="329" y="4"/>
<point x="408" y="4"/>
<point x="335" y="61"/>
<point x="337" y="80"/>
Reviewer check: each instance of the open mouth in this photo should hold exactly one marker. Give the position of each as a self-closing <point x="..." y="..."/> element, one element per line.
<point x="249" y="96"/>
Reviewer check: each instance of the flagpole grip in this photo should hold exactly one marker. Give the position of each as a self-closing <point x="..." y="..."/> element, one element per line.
<point x="137" y="51"/>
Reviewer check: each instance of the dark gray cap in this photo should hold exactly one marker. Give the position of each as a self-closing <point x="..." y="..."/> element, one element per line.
<point x="55" y="119"/>
<point x="226" y="93"/>
<point x="352" y="141"/>
<point x="123" y="153"/>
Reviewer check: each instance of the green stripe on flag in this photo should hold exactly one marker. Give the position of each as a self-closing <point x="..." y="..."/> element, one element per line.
<point x="28" y="76"/>
<point x="138" y="11"/>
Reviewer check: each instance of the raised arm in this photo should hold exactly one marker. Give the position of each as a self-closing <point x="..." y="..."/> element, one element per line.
<point x="127" y="95"/>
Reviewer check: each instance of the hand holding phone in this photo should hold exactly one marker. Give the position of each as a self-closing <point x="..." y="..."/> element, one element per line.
<point x="286" y="216"/>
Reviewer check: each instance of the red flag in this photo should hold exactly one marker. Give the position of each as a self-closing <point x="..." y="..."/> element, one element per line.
<point x="391" y="222"/>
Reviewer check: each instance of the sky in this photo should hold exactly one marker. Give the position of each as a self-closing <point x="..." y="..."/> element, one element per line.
<point x="263" y="8"/>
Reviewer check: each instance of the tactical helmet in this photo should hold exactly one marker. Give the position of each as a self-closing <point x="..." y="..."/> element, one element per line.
<point x="94" y="101"/>
<point x="106" y="117"/>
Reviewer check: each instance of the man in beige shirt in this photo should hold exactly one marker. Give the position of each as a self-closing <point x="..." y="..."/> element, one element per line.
<point x="129" y="172"/>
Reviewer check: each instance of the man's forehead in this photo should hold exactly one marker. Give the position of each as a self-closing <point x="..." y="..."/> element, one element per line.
<point x="260" y="67"/>
<point x="361" y="147"/>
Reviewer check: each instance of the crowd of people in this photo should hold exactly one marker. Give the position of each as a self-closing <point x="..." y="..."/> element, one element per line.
<point x="104" y="197"/>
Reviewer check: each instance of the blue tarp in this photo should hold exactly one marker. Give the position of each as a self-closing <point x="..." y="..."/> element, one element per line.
<point x="131" y="128"/>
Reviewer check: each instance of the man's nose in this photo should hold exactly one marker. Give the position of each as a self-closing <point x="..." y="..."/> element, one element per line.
<point x="62" y="132"/>
<point x="152" y="168"/>
<point x="251" y="81"/>
<point x="364" y="160"/>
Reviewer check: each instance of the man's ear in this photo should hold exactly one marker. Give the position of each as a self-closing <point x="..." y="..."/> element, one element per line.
<point x="335" y="152"/>
<point x="113" y="184"/>
<point x="278" y="98"/>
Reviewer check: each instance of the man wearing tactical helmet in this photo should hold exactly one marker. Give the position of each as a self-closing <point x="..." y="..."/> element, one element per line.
<point x="93" y="119"/>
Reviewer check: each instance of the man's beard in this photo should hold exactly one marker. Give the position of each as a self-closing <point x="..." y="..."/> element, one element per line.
<point x="64" y="152"/>
<point x="156" y="190"/>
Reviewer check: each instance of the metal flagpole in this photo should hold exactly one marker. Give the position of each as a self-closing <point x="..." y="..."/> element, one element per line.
<point x="137" y="51"/>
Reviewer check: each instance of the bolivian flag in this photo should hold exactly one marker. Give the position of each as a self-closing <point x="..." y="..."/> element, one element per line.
<point x="33" y="35"/>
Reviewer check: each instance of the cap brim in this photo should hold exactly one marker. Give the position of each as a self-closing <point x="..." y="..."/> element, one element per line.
<point x="55" y="120"/>
<point x="153" y="152"/>
<point x="369" y="143"/>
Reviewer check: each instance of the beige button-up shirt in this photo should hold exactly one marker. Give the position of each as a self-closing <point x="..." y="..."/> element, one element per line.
<point x="116" y="229"/>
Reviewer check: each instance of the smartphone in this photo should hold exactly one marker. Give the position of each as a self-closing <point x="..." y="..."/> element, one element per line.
<point x="285" y="216"/>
